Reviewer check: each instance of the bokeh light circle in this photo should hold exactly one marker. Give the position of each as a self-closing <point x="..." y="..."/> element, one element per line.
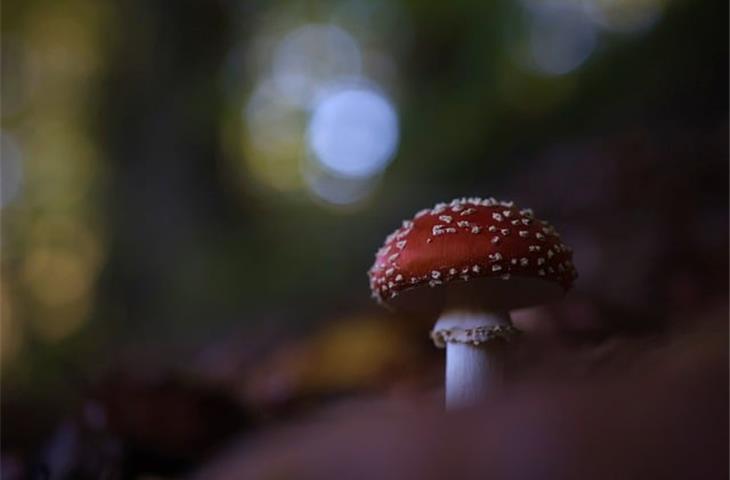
<point x="354" y="132"/>
<point x="311" y="57"/>
<point x="561" y="38"/>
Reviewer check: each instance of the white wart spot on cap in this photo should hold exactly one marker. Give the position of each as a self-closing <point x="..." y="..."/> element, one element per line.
<point x="495" y="257"/>
<point x="438" y="208"/>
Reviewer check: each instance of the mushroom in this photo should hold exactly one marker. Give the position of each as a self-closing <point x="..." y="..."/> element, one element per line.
<point x="468" y="263"/>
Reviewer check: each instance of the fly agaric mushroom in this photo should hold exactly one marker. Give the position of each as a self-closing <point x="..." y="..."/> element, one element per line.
<point x="470" y="262"/>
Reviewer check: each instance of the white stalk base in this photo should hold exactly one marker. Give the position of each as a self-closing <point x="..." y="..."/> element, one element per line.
<point x="472" y="367"/>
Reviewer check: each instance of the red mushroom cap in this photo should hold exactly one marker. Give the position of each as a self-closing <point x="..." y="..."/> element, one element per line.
<point x="476" y="248"/>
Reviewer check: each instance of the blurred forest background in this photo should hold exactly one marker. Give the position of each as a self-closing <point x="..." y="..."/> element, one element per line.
<point x="192" y="193"/>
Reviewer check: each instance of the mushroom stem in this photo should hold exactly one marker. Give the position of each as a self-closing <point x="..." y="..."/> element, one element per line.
<point x="473" y="363"/>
